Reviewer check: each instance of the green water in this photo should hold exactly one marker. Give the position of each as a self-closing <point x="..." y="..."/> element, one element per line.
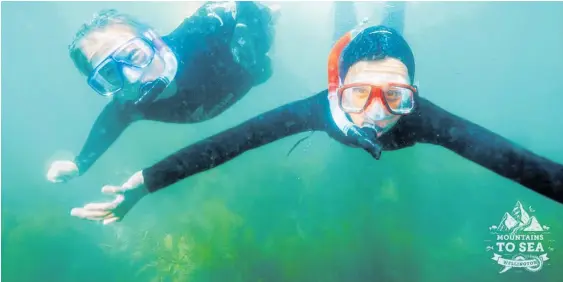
<point x="325" y="213"/>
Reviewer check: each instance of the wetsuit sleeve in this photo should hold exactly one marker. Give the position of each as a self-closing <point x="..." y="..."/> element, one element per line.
<point x="475" y="143"/>
<point x="109" y="125"/>
<point x="293" y="118"/>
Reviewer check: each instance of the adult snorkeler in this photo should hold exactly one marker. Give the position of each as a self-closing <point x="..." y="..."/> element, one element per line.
<point x="193" y="74"/>
<point x="370" y="103"/>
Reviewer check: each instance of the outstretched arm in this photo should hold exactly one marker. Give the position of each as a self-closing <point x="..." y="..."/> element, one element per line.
<point x="293" y="118"/>
<point x="436" y="126"/>
<point x="106" y="129"/>
<point x="304" y="115"/>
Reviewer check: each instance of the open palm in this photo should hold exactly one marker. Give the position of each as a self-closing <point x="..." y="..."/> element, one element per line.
<point x="126" y="196"/>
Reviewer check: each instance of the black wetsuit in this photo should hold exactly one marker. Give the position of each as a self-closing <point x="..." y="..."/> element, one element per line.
<point x="208" y="81"/>
<point x="428" y="124"/>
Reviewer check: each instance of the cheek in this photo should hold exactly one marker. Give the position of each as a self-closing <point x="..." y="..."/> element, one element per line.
<point x="131" y="75"/>
<point x="155" y="69"/>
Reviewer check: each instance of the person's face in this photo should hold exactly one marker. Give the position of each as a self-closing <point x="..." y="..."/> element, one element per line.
<point x="380" y="73"/>
<point x="99" y="44"/>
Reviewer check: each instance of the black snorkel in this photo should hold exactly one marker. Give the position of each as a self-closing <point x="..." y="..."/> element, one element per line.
<point x="149" y="91"/>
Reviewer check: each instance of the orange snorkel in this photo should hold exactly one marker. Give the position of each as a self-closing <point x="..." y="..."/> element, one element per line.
<point x="338" y="116"/>
<point x="333" y="58"/>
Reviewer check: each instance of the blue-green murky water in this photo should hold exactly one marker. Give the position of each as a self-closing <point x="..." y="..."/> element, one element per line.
<point x="325" y="213"/>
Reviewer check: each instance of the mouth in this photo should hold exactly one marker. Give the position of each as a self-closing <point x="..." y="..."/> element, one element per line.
<point x="378" y="125"/>
<point x="383" y="121"/>
<point x="373" y="126"/>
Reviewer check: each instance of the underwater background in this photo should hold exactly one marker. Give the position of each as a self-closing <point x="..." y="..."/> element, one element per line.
<point x="326" y="212"/>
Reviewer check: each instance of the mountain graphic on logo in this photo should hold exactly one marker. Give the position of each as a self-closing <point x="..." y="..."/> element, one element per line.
<point x="519" y="220"/>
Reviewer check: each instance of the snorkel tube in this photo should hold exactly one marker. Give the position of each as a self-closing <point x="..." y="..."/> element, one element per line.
<point x="150" y="90"/>
<point x="334" y="82"/>
<point x="365" y="138"/>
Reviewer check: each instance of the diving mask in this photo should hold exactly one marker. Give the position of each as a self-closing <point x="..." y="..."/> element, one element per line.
<point x="379" y="105"/>
<point x="397" y="98"/>
<point x="133" y="57"/>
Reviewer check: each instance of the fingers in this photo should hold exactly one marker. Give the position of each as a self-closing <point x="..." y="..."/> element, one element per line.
<point x="59" y="178"/>
<point x="101" y="206"/>
<point x="62" y="171"/>
<point x="111" y="189"/>
<point x="104" y="216"/>
<point x="85" y="213"/>
<point x="111" y="220"/>
<point x="112" y="211"/>
<point x="53" y="179"/>
<point x="99" y="211"/>
<point x="62" y="178"/>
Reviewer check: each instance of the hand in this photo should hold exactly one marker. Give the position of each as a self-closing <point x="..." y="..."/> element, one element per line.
<point x="126" y="196"/>
<point x="62" y="171"/>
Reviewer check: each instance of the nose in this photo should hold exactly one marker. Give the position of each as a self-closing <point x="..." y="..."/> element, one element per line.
<point x="377" y="110"/>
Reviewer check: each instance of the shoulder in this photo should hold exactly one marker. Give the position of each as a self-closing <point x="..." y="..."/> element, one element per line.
<point x="213" y="15"/>
<point x="207" y="20"/>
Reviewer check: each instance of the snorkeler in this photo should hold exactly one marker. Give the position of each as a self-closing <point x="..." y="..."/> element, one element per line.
<point x="193" y="74"/>
<point x="371" y="103"/>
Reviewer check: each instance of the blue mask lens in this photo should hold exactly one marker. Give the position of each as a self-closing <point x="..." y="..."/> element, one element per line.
<point x="107" y="78"/>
